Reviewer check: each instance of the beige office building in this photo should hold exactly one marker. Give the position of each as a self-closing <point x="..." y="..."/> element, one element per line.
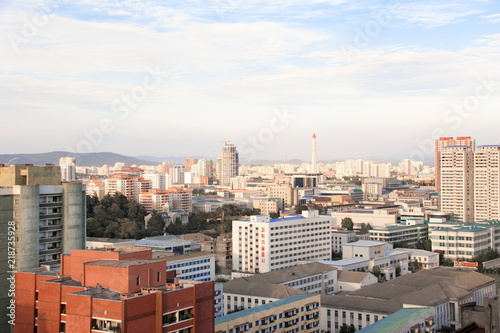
<point x="487" y="183"/>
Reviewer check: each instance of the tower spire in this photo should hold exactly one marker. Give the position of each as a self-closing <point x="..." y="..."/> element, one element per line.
<point x="314" y="164"/>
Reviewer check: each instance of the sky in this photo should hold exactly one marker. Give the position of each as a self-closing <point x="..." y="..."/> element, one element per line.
<point x="373" y="79"/>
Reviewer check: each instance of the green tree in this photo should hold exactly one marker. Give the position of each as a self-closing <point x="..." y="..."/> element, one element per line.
<point x="176" y="228"/>
<point x="398" y="271"/>
<point x="274" y="215"/>
<point x="366" y="227"/>
<point x="347" y="223"/>
<point x="94" y="229"/>
<point x="300" y="208"/>
<point x="347" y="329"/>
<point x="376" y="271"/>
<point x="236" y="309"/>
<point x="156" y="224"/>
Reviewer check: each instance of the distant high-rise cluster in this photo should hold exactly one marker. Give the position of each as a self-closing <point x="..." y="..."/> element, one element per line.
<point x="68" y="168"/>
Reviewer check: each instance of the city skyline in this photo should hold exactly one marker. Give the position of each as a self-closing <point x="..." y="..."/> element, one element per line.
<point x="375" y="78"/>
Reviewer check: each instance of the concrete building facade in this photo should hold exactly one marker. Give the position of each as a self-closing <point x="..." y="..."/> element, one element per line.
<point x="262" y="244"/>
<point x="45" y="218"/>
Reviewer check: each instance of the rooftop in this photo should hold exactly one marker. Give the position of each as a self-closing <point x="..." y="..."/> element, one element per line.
<point x="425" y="288"/>
<point x="178" y="257"/>
<point x="122" y="263"/>
<point x="345" y="262"/>
<point x="257" y="309"/>
<point x="366" y="243"/>
<point x="354" y="277"/>
<point x="395" y="320"/>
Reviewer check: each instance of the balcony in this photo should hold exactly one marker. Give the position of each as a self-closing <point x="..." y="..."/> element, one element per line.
<point x="51" y="204"/>
<point x="99" y="325"/>
<point x="50" y="251"/>
<point x="51" y="227"/>
<point x="50" y="239"/>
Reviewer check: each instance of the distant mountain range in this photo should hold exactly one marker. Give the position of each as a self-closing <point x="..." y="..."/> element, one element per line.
<point x="90" y="159"/>
<point x="99" y="159"/>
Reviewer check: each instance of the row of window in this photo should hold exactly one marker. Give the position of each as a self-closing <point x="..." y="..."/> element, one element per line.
<point x="191" y="263"/>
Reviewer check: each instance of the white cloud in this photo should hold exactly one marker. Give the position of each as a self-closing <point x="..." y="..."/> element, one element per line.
<point x="494" y="18"/>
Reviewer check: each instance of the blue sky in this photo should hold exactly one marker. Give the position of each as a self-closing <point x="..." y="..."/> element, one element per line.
<point x="373" y="79"/>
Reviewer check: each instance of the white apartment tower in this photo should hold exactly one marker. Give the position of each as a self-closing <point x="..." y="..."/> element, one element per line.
<point x="457" y="182"/>
<point x="68" y="169"/>
<point x="262" y="244"/>
<point x="159" y="180"/>
<point x="205" y="167"/>
<point x="487" y="183"/>
<point x="227" y="164"/>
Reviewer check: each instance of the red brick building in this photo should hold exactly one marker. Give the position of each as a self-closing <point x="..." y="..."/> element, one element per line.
<point x="111" y="291"/>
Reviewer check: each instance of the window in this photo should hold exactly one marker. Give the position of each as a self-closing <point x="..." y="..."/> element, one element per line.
<point x="158" y="276"/>
<point x="138" y="279"/>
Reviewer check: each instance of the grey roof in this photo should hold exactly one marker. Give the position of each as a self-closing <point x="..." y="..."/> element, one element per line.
<point x="177" y="257"/>
<point x="425" y="288"/>
<point x="354" y="277"/>
<point x="242" y="286"/>
<point x="291" y="273"/>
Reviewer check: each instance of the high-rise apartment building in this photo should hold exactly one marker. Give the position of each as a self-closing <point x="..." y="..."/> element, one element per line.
<point x="456" y="182"/>
<point x="177" y="172"/>
<point x="129" y="186"/>
<point x="189" y="162"/>
<point x="441" y="143"/>
<point x="227" y="164"/>
<point x="487" y="183"/>
<point x="46" y="215"/>
<point x="205" y="167"/>
<point x="261" y="244"/>
<point x="68" y="168"/>
<point x="159" y="180"/>
<point x="176" y="198"/>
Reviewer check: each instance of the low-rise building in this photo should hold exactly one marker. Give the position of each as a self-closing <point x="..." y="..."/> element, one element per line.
<point x="442" y="289"/>
<point x="169" y="244"/>
<point x="102" y="243"/>
<point x="424" y="259"/>
<point x="350" y="281"/>
<point x="464" y="240"/>
<point x="292" y="314"/>
<point x="413" y="319"/>
<point x="253" y="290"/>
<point x="411" y="230"/>
<point x="197" y="266"/>
<point x="340" y="237"/>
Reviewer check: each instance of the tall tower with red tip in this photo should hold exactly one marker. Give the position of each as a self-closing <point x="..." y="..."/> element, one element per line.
<point x="314" y="164"/>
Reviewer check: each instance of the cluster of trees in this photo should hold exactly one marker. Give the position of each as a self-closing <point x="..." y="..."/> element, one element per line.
<point x="205" y="221"/>
<point x="115" y="217"/>
<point x="320" y="208"/>
<point x="421" y="245"/>
<point x="348" y="224"/>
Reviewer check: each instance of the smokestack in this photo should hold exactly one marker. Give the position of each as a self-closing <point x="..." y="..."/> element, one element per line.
<point x="314" y="164"/>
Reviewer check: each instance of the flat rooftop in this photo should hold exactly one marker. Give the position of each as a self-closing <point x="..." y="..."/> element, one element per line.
<point x="257" y="309"/>
<point x="395" y="320"/>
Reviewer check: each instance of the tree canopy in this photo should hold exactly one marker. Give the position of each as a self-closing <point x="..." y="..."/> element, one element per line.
<point x="347" y="223"/>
